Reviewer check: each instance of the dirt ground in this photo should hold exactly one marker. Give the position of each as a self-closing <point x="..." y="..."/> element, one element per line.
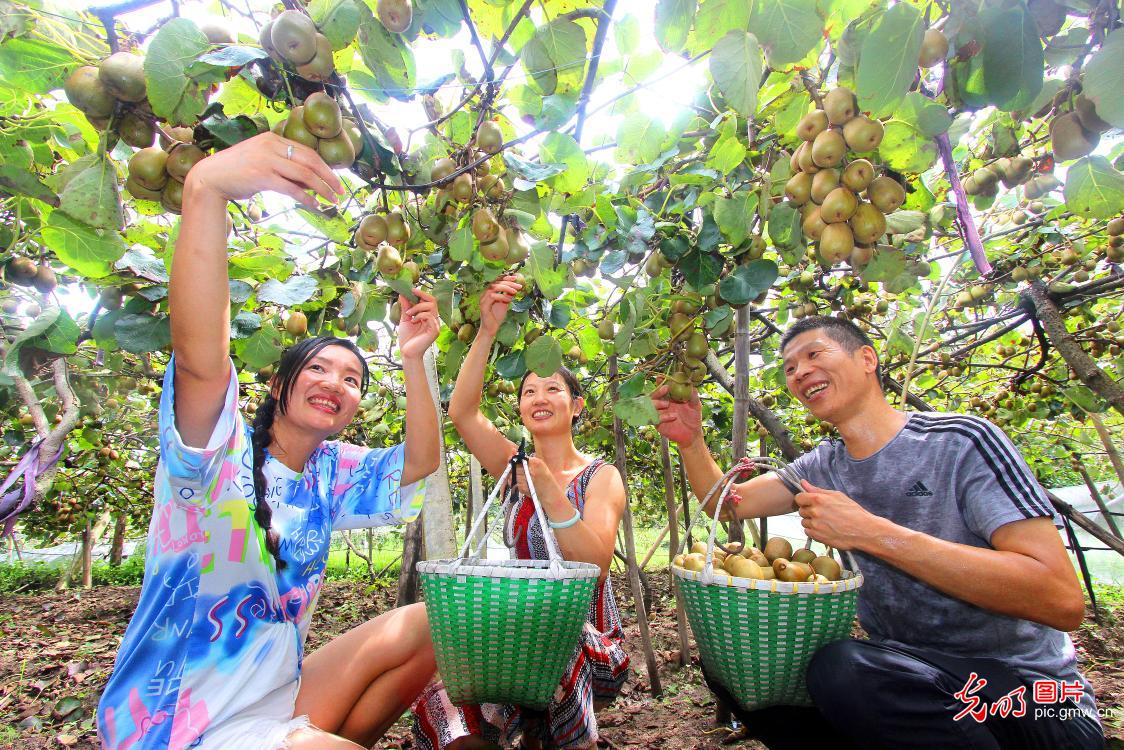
<point x="56" y="652"/>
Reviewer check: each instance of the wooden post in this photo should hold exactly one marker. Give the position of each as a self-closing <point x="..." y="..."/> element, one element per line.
<point x="1096" y="495"/>
<point x="630" y="543"/>
<point x="88" y="555"/>
<point x="475" y="497"/>
<point x="117" y="548"/>
<point x="741" y="401"/>
<point x="411" y="554"/>
<point x="1110" y="449"/>
<point x="673" y="526"/>
<point x="440" y="536"/>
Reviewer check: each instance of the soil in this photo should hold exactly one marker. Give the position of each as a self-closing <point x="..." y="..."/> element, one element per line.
<point x="57" y="649"/>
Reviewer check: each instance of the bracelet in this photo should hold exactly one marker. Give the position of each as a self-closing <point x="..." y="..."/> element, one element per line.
<point x="565" y="524"/>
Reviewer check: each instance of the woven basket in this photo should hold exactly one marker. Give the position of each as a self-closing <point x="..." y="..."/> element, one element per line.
<point x="756" y="637"/>
<point x="504" y="630"/>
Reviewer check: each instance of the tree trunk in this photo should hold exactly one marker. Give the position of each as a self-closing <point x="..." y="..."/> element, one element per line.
<point x="78" y="566"/>
<point x="673" y="526"/>
<point x="1086" y="368"/>
<point x="1096" y="495"/>
<point x="439" y="534"/>
<point x="411" y="554"/>
<point x="88" y="555"/>
<point x="365" y="558"/>
<point x="117" y="548"/>
<point x="760" y="412"/>
<point x="630" y="543"/>
<point x="741" y="401"/>
<point x="475" y="499"/>
<point x="1110" y="449"/>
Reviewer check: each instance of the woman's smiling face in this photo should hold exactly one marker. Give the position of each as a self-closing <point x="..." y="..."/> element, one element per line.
<point x="546" y="405"/>
<point x="325" y="396"/>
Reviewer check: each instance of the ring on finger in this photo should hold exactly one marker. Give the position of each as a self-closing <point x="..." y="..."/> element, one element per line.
<point x="289" y="152"/>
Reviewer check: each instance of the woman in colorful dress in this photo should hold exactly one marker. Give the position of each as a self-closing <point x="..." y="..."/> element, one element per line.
<point x="583" y="499"/>
<point x="214" y="655"/>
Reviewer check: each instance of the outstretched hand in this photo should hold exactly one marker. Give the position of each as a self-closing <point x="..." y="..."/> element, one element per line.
<point x="680" y="422"/>
<point x="832" y="518"/>
<point x="546" y="486"/>
<point x="419" y="325"/>
<point x="262" y="163"/>
<point x="495" y="302"/>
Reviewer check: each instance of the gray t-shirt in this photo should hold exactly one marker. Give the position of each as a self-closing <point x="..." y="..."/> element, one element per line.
<point x="958" y="478"/>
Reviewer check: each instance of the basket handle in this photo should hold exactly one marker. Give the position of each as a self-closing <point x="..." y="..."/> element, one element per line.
<point x="547" y="533"/>
<point x="482" y="516"/>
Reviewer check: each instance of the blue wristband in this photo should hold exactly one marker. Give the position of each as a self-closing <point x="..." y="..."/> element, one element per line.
<point x="565" y="524"/>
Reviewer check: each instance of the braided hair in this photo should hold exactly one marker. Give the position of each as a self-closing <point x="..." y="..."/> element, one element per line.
<point x="292" y="363"/>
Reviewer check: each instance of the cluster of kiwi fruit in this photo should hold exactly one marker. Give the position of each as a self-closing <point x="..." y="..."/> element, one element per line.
<point x="386" y="235"/>
<point x="827" y="184"/>
<point x="319" y="124"/>
<point x="98" y="90"/>
<point x="1076" y="133"/>
<point x="157" y="173"/>
<point x="690" y="346"/>
<point x="776" y="561"/>
<point x="1114" y="250"/>
<point x="292" y="39"/>
<point x="23" y="271"/>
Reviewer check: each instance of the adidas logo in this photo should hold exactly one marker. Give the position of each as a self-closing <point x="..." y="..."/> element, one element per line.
<point x="918" y="490"/>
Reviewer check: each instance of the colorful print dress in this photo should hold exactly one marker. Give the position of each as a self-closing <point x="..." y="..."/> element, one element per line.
<point x="594" y="676"/>
<point x="212" y="656"/>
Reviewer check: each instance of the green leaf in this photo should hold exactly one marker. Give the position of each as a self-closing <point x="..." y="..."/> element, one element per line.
<point x="529" y="170"/>
<point x="31" y="66"/>
<point x="550" y="280"/>
<point x="333" y="227"/>
<point x="461" y="244"/>
<point x="260" y="261"/>
<point x="787" y="29"/>
<point x="16" y="179"/>
<point x="1085" y="399"/>
<point x="171" y="93"/>
<point x="90" y="197"/>
<point x="229" y="131"/>
<point x="231" y="56"/>
<point x="1094" y="188"/>
<point x="142" y="333"/>
<point x="144" y="264"/>
<point x="735" y="214"/>
<point x="543" y="356"/>
<point x="562" y="149"/>
<point x="244" y="324"/>
<point x="636" y="412"/>
<point x="52" y="330"/>
<point x="296" y="290"/>
<point x="438" y="17"/>
<point x="925" y="115"/>
<point x="715" y="19"/>
<point x="639" y="138"/>
<point x="736" y="67"/>
<point x="904" y="222"/>
<point x="1101" y="79"/>
<point x="673" y="21"/>
<point x="261" y="349"/>
<point x="1012" y="56"/>
<point x="554" y="58"/>
<point x="88" y="250"/>
<point x="699" y="268"/>
<point x="748" y="281"/>
<point x="728" y="152"/>
<point x="888" y="62"/>
<point x="512" y="365"/>
<point x="784" y="226"/>
<point x="336" y="19"/>
<point x="626" y="33"/>
<point x="388" y="57"/>
<point x="905" y="149"/>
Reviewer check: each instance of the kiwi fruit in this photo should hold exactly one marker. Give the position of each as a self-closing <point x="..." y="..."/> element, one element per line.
<point x="147" y="168"/>
<point x="1086" y="112"/>
<point x="886" y="194"/>
<point x="823" y="182"/>
<point x="337" y="152"/>
<point x="388" y="261"/>
<point x="372" y="231"/>
<point x="777" y="547"/>
<point x="868" y="224"/>
<point x="836" y="242"/>
<point x="791" y="572"/>
<point x="798" y="188"/>
<point x="322" y="65"/>
<point x="811" y="125"/>
<point x="861" y="255"/>
<point x="493" y="187"/>
<point x="934" y="48"/>
<point x="322" y="115"/>
<point x="293" y="35"/>
<point x="496" y="250"/>
<point x="1115" y="227"/>
<point x="1069" y="139"/>
<point x="296" y="130"/>
<point x="803" y="555"/>
<point x="136" y="131"/>
<point x="462" y="189"/>
<point x="858" y="175"/>
<point x="804" y="158"/>
<point x="397" y="229"/>
<point x="442" y="168"/>
<point x="827" y="567"/>
<point x="141" y="192"/>
<point x="122" y="74"/>
<point x="84" y="89"/>
<point x="813" y="224"/>
<point x="517" y="248"/>
<point x="171" y="197"/>
<point x="297" y="324"/>
<point x="863" y="134"/>
<point x="182" y="159"/>
<point x="489" y="138"/>
<point x="395" y="15"/>
<point x="697" y="345"/>
<point x="828" y="149"/>
<point x="217" y="32"/>
<point x="485" y="228"/>
<point x="839" y="205"/>
<point x="840" y="105"/>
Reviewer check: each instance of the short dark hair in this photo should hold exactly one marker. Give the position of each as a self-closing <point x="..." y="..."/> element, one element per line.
<point x="840" y="330"/>
<point x="571" y="381"/>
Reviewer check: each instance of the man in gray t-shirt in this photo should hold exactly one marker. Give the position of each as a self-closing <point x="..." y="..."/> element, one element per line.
<point x="965" y="576"/>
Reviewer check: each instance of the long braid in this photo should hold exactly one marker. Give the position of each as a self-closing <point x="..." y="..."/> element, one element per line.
<point x="263" y="514"/>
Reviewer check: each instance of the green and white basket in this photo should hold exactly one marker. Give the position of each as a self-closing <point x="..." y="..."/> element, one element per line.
<point x="754" y="636"/>
<point x="504" y="630"/>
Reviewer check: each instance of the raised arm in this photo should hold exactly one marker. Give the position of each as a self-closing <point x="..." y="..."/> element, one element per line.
<point x="199" y="292"/>
<point x="484" y="441"/>
<point x="681" y="423"/>
<point x="416" y="331"/>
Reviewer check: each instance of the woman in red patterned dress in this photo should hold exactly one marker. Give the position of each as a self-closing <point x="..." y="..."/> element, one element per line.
<point x="583" y="499"/>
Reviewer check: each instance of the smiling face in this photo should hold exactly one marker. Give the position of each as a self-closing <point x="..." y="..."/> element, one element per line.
<point x="826" y="378"/>
<point x="325" y="395"/>
<point x="547" y="406"/>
